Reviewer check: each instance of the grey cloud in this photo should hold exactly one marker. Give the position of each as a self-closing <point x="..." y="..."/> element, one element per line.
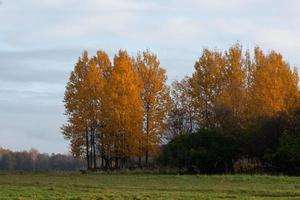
<point x="25" y="124"/>
<point x="41" y="41"/>
<point x="43" y="66"/>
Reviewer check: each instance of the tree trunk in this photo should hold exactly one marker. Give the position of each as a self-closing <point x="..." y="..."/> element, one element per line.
<point x="87" y="149"/>
<point x="146" y="158"/>
<point x="94" y="150"/>
<point x="91" y="153"/>
<point x="147" y="135"/>
<point x="140" y="162"/>
<point x="116" y="163"/>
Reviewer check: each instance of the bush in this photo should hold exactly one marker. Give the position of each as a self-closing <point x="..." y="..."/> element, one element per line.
<point x="206" y="151"/>
<point x="287" y="156"/>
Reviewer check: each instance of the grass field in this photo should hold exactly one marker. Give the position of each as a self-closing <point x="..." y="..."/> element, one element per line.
<point x="99" y="186"/>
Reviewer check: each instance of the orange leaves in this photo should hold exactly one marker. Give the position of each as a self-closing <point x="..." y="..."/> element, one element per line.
<point x="155" y="98"/>
<point x="275" y="85"/>
<point x="120" y="110"/>
<point x="83" y="102"/>
<point x="232" y="88"/>
<point x="123" y="106"/>
<point x="108" y="106"/>
<point x="206" y="83"/>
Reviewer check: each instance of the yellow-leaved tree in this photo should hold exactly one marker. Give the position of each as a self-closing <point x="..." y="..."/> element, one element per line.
<point x="206" y="85"/>
<point x="123" y="112"/>
<point x="84" y="107"/>
<point x="275" y="85"/>
<point x="102" y="141"/>
<point x="75" y="129"/>
<point x="232" y="96"/>
<point x="155" y="99"/>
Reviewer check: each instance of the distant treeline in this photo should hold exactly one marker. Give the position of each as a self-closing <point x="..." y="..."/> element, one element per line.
<point x="34" y="161"/>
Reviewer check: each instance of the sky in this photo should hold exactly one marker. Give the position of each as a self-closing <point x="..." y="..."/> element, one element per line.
<point x="41" y="40"/>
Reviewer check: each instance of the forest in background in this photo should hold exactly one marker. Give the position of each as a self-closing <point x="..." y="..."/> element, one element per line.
<point x="33" y="160"/>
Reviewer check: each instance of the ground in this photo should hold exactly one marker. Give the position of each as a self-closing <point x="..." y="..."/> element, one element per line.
<point x="76" y="186"/>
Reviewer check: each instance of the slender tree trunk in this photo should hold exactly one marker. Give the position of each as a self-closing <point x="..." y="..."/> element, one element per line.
<point x="116" y="163"/>
<point x="140" y="153"/>
<point x="91" y="149"/>
<point x="140" y="161"/>
<point x="147" y="136"/>
<point x="146" y="158"/>
<point x="123" y="157"/>
<point x="101" y="149"/>
<point x="206" y="113"/>
<point x="87" y="149"/>
<point x="94" y="151"/>
<point x="109" y="158"/>
<point x="191" y="122"/>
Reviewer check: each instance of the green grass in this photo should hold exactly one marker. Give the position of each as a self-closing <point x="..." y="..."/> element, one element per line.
<point x="78" y="186"/>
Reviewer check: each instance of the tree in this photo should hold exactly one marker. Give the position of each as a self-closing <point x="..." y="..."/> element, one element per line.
<point x="105" y="69"/>
<point x="181" y="117"/>
<point x="75" y="130"/>
<point x="155" y="98"/>
<point x="83" y="102"/>
<point x="249" y="68"/>
<point x="286" y="157"/>
<point x="93" y="93"/>
<point x="232" y="96"/>
<point x="7" y="161"/>
<point x="123" y="112"/>
<point x="206" y="84"/>
<point x="275" y="86"/>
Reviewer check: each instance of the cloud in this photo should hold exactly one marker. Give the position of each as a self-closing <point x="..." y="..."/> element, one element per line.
<point x="31" y="119"/>
<point x="37" y="66"/>
<point x="42" y="39"/>
<point x="279" y="38"/>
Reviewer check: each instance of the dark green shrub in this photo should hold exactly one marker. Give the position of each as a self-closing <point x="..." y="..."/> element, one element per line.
<point x="206" y="151"/>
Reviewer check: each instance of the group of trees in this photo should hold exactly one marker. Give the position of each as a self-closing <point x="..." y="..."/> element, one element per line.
<point x="232" y="89"/>
<point x="271" y="144"/>
<point x="117" y="110"/>
<point x="252" y="101"/>
<point x="234" y="106"/>
<point x="34" y="161"/>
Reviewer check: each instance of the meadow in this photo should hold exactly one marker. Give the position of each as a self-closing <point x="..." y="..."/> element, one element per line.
<point x="76" y="186"/>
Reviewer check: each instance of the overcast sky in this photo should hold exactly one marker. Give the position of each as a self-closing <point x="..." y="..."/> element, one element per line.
<point x="40" y="40"/>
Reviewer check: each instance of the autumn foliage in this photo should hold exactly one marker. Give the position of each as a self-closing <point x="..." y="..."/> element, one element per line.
<point x="117" y="110"/>
<point x="233" y="89"/>
<point x="248" y="98"/>
<point x="121" y="110"/>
